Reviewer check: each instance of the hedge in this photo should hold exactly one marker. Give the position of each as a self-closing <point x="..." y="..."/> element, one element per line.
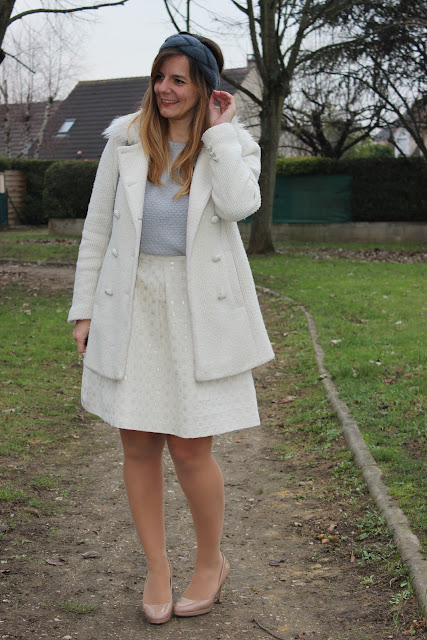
<point x="383" y="189"/>
<point x="32" y="211"/>
<point x="67" y="188"/>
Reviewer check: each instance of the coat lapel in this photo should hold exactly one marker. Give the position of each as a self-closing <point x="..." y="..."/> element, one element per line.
<point x="133" y="171"/>
<point x="200" y="192"/>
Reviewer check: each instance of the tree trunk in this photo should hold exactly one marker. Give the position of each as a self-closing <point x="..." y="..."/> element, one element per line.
<point x="46" y="115"/>
<point x="6" y="7"/>
<point x="260" y="240"/>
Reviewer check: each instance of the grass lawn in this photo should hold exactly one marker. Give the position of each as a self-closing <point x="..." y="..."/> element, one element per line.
<point x="371" y="319"/>
<point x="37" y="246"/>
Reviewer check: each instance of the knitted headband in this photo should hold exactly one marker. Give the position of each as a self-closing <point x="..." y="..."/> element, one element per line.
<point x="193" y="48"/>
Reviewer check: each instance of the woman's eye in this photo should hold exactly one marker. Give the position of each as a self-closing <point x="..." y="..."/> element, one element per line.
<point x="179" y="81"/>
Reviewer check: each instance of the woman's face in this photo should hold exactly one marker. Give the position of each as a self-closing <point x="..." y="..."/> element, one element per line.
<point x="176" y="93"/>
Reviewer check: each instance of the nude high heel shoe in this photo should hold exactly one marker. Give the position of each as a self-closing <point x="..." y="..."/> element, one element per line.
<point x="186" y="608"/>
<point x="159" y="613"/>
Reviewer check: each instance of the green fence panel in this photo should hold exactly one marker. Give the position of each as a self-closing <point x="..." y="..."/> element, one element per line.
<point x="3" y="208"/>
<point x="312" y="198"/>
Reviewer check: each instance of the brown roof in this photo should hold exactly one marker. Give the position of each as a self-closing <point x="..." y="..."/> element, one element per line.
<point x="93" y="105"/>
<point x="15" y="115"/>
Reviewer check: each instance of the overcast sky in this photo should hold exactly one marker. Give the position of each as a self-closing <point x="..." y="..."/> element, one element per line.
<point x="125" y="39"/>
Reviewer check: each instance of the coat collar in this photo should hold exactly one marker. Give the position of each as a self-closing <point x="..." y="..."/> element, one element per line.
<point x="133" y="171"/>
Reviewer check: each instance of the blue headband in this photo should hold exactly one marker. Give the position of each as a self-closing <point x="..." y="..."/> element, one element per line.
<point x="193" y="48"/>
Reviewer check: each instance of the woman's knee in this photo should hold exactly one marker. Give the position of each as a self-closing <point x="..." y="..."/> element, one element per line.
<point x="142" y="445"/>
<point x="189" y="453"/>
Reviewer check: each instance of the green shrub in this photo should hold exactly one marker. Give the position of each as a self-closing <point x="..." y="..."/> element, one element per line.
<point x="32" y="207"/>
<point x="382" y="190"/>
<point x="67" y="188"/>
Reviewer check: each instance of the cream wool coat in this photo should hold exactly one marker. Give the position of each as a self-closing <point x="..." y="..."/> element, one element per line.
<point x="228" y="330"/>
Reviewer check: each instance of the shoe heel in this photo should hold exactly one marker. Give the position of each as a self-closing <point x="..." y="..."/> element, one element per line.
<point x="218" y="595"/>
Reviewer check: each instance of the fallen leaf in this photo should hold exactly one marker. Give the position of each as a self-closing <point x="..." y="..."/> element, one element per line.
<point x="90" y="554"/>
<point x="31" y="510"/>
<point x="287" y="399"/>
<point x="389" y="380"/>
<point x="336" y="341"/>
<point x="277" y="561"/>
<point x="55" y="563"/>
<point x="352" y="558"/>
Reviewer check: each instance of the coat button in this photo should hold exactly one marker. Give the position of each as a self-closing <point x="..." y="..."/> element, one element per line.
<point x="216" y="258"/>
<point x="114" y="252"/>
<point x="214" y="219"/>
<point x="116" y="213"/>
<point x="109" y="292"/>
<point x="222" y="295"/>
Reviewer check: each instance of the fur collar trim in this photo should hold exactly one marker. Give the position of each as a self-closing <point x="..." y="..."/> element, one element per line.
<point x="121" y="130"/>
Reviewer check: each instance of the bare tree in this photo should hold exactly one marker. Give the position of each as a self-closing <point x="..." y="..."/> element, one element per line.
<point x="44" y="63"/>
<point x="393" y="60"/>
<point x="42" y="60"/>
<point x="327" y="115"/>
<point x="285" y="35"/>
<point x="7" y="6"/>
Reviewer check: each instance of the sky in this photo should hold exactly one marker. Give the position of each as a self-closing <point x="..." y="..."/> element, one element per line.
<point x="125" y="39"/>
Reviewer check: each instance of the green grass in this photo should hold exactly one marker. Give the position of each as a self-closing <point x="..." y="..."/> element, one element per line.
<point x="73" y="606"/>
<point x="36" y="245"/>
<point x="39" y="372"/>
<point x="376" y="314"/>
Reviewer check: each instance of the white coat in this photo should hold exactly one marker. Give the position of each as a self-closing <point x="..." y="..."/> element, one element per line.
<point x="228" y="330"/>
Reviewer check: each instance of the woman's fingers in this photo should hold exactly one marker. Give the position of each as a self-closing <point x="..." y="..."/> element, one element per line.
<point x="226" y="110"/>
<point x="80" y="334"/>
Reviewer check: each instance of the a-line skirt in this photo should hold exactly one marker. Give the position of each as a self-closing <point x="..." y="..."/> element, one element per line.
<point x="158" y="392"/>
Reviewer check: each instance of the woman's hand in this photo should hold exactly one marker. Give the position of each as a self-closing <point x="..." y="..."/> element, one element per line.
<point x="80" y="333"/>
<point x="226" y="110"/>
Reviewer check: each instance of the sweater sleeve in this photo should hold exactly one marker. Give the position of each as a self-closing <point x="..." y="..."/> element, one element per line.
<point x="235" y="164"/>
<point x="96" y="234"/>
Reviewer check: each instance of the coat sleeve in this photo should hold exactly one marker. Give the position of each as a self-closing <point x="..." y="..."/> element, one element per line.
<point x="96" y="234"/>
<point x="235" y="165"/>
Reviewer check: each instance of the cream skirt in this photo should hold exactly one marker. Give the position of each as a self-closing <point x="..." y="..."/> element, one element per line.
<point x="158" y="392"/>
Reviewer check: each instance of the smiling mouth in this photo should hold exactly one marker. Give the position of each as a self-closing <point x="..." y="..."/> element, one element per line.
<point x="169" y="101"/>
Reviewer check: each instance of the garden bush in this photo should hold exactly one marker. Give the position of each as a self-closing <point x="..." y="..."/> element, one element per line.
<point x="67" y="188"/>
<point x="32" y="207"/>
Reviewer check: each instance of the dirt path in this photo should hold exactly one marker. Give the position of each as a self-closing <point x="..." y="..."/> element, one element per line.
<point x="284" y="582"/>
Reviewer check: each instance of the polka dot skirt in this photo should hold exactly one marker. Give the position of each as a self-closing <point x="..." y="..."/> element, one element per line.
<point x="158" y="392"/>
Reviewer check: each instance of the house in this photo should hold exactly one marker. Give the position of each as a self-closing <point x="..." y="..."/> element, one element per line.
<point x="401" y="139"/>
<point x="20" y="127"/>
<point x="75" y="129"/>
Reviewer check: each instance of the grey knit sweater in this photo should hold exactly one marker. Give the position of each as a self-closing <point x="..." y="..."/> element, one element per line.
<point x="164" y="220"/>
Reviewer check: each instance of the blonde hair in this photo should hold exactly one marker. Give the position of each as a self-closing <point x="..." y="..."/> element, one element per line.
<point x="153" y="127"/>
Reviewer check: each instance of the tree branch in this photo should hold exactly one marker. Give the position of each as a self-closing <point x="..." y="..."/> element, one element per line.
<point x="243" y="89"/>
<point x="76" y="9"/>
<point x="166" y="3"/>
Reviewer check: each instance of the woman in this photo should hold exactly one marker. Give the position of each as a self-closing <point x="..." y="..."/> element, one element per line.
<point x="164" y="285"/>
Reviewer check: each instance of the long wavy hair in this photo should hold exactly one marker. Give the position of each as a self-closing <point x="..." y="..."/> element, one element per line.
<point x="153" y="127"/>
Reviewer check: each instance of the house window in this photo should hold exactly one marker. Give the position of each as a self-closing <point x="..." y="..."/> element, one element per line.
<point x="64" y="129"/>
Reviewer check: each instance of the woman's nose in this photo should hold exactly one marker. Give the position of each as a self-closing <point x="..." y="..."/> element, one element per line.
<point x="164" y="84"/>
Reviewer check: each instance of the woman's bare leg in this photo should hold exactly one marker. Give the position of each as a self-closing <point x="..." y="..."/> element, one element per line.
<point x="201" y="480"/>
<point x="143" y="475"/>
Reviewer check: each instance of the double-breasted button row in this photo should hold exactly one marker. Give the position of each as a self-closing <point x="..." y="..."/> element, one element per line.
<point x="222" y="295"/>
<point x="109" y="292"/>
<point x="214" y="219"/>
<point x="116" y="213"/>
<point x="114" y="252"/>
<point x="216" y="258"/>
